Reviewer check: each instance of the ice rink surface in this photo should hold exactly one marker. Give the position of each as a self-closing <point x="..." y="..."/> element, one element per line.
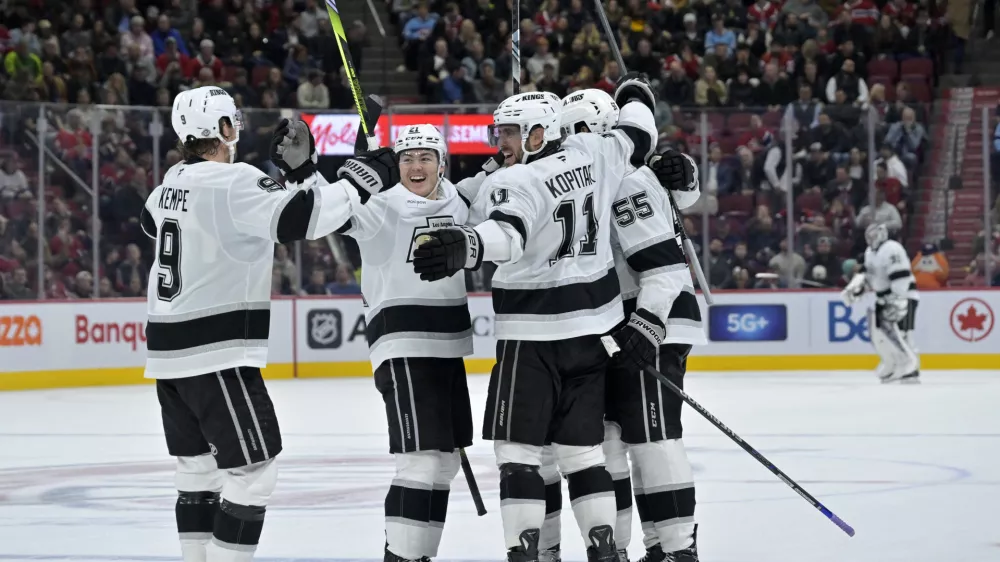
<point x="84" y="474"/>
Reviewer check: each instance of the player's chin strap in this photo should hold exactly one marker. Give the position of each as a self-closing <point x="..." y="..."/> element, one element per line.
<point x="231" y="145"/>
<point x="546" y="149"/>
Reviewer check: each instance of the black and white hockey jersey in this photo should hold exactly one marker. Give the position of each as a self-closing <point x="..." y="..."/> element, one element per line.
<point x="209" y="294"/>
<point x="560" y="280"/>
<point x="887" y="271"/>
<point x="649" y="259"/>
<point x="405" y="317"/>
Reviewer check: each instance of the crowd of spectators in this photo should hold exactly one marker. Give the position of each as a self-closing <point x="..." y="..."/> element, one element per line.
<point x="737" y="80"/>
<point x="729" y="74"/>
<point x="80" y="54"/>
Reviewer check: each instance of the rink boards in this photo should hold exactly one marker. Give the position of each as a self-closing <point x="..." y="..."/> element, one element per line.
<point x="81" y="343"/>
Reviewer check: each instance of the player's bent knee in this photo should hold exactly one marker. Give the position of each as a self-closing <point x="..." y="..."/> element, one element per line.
<point x="448" y="469"/>
<point x="250" y="485"/>
<point x="573" y="458"/>
<point x="509" y="452"/>
<point x="662" y="462"/>
<point x="198" y="474"/>
<point x="419" y="466"/>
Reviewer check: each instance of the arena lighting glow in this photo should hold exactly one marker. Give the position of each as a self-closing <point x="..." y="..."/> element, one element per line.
<point x="335" y="132"/>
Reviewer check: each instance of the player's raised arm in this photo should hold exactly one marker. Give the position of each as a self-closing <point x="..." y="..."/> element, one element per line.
<point x="310" y="207"/>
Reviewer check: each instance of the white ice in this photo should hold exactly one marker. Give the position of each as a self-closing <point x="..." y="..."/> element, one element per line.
<point x="84" y="474"/>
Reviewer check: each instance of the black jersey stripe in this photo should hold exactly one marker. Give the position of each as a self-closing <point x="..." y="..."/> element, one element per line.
<point x="642" y="144"/>
<point x="217" y="328"/>
<point x="557" y="300"/>
<point x="901" y="274"/>
<point x="418" y="318"/>
<point x="147" y="223"/>
<point x="514" y="221"/>
<point x="685" y="307"/>
<point x="662" y="254"/>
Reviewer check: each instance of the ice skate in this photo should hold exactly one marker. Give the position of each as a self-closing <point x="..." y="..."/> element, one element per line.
<point x="551" y="554"/>
<point x="910" y="378"/>
<point x="689" y="554"/>
<point x="622" y="555"/>
<point x="654" y="554"/>
<point x="602" y="545"/>
<point x="528" y="550"/>
<point x="390" y="557"/>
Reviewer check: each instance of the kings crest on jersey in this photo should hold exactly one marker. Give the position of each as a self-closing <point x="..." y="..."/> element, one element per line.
<point x="209" y="287"/>
<point x="405" y="316"/>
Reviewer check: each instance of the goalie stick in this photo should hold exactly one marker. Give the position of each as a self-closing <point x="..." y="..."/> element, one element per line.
<point x="612" y="348"/>
<point x="692" y="255"/>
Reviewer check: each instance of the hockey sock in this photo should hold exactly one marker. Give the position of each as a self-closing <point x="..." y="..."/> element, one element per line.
<point x="616" y="459"/>
<point x="592" y="495"/>
<point x="450" y="463"/>
<point x="667" y="490"/>
<point x="237" y="532"/>
<point x="522" y="501"/>
<point x="195" y="513"/>
<point x="408" y="504"/>
<point x="551" y="534"/>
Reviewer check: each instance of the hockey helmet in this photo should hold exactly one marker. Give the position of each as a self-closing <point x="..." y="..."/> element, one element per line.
<point x="426" y="137"/>
<point x="527" y="111"/>
<point x="876" y="234"/>
<point x="591" y="107"/>
<point x="197" y="112"/>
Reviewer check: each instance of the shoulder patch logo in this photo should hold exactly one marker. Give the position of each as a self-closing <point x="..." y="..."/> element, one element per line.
<point x="269" y="185"/>
<point x="499" y="196"/>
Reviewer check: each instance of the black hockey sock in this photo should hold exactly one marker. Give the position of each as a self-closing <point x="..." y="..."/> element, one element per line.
<point x="408" y="513"/>
<point x="623" y="503"/>
<point x="550" y="535"/>
<point x="238" y="527"/>
<point x="195" y="513"/>
<point x="522" y="501"/>
<point x="591" y="492"/>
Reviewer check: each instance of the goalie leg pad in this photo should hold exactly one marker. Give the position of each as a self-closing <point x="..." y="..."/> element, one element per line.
<point x="198" y="481"/>
<point x="616" y="453"/>
<point x="591" y="490"/>
<point x="551" y="534"/>
<point x="448" y="470"/>
<point x="667" y="490"/>
<point x="522" y="490"/>
<point x="240" y="519"/>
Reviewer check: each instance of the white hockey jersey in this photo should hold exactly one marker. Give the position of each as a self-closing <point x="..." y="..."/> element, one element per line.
<point x="209" y="294"/>
<point x="560" y="282"/>
<point x="404" y="316"/>
<point x="887" y="270"/>
<point x="649" y="259"/>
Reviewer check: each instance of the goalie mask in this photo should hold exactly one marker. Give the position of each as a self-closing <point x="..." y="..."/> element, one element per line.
<point x="876" y="235"/>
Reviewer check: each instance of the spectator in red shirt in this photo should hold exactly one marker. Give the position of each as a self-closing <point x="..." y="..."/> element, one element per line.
<point x="546" y="18"/>
<point x="758" y="137"/>
<point x="206" y="58"/>
<point x="765" y="13"/>
<point x="73" y="138"/>
<point x="172" y="54"/>
<point x="863" y="12"/>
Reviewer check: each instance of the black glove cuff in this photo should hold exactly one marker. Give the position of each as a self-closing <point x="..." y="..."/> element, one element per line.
<point x="301" y="173"/>
<point x="649" y="325"/>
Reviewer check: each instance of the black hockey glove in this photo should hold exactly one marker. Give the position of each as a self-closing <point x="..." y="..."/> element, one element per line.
<point x="443" y="253"/>
<point x="674" y="169"/>
<point x="371" y="172"/>
<point x="493" y="163"/>
<point x="639" y="339"/>
<point x="634" y="86"/>
<point x="293" y="150"/>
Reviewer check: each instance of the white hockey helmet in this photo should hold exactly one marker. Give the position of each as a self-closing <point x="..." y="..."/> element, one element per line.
<point x="426" y="137"/>
<point x="197" y="113"/>
<point x="527" y="111"/>
<point x="591" y="107"/>
<point x="876" y="234"/>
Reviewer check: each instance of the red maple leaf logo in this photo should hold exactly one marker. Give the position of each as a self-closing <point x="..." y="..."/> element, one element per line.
<point x="971" y="320"/>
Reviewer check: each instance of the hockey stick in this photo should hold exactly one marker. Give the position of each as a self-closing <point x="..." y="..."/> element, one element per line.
<point x="515" y="47"/>
<point x="692" y="255"/>
<point x="612" y="347"/>
<point x="352" y="76"/>
<point x="803" y="281"/>
<point x="470" y="478"/>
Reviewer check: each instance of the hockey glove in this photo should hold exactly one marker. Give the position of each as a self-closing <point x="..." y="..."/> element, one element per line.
<point x="493" y="163"/>
<point x="854" y="289"/>
<point x="893" y="309"/>
<point x="443" y="253"/>
<point x="639" y="339"/>
<point x="293" y="149"/>
<point x="675" y="170"/>
<point x="371" y="172"/>
<point x="634" y="86"/>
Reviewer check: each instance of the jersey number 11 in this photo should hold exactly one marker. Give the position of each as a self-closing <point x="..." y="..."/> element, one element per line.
<point x="565" y="215"/>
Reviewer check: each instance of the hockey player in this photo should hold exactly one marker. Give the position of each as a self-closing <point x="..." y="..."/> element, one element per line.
<point x="554" y="293"/>
<point x="417" y="332"/>
<point x="215" y="224"/>
<point x="887" y="273"/>
<point x="642" y="418"/>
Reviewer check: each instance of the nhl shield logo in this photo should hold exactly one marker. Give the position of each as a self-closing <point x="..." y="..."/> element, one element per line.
<point x="324" y="329"/>
<point x="499" y="196"/>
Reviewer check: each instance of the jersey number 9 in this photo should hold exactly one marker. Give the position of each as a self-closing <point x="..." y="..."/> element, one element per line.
<point x="168" y="284"/>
